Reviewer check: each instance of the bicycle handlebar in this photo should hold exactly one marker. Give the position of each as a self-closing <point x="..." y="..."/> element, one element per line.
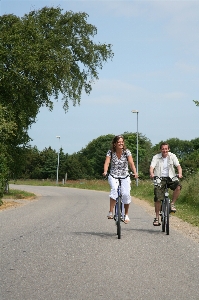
<point x="119" y="177"/>
<point x="176" y="176"/>
<point x="157" y="179"/>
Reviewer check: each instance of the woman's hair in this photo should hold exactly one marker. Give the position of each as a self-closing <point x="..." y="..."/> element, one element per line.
<point x="114" y="141"/>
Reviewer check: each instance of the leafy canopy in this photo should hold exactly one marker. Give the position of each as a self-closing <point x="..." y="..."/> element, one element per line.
<point x="43" y="54"/>
<point x="196" y="102"/>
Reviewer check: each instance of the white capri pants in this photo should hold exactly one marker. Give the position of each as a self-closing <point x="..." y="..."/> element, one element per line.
<point x="125" y="189"/>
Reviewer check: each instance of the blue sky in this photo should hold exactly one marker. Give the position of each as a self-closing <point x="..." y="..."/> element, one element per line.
<point x="155" y="70"/>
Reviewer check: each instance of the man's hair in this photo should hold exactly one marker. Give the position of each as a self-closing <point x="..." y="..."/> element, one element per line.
<point x="164" y="144"/>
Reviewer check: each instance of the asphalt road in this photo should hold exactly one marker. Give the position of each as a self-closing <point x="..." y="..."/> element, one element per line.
<point x="62" y="247"/>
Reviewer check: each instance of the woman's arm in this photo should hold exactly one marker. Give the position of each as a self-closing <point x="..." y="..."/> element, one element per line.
<point x="132" y="166"/>
<point x="106" y="165"/>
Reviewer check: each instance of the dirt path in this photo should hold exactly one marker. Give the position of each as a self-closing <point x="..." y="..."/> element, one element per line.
<point x="176" y="223"/>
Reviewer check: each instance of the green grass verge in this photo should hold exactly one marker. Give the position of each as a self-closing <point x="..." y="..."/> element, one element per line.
<point x="17" y="194"/>
<point x="187" y="204"/>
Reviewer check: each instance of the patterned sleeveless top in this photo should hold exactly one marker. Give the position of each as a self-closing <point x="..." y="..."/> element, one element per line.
<point x="119" y="166"/>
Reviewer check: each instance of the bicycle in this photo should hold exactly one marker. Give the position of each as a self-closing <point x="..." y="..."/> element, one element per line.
<point x="166" y="206"/>
<point x="119" y="206"/>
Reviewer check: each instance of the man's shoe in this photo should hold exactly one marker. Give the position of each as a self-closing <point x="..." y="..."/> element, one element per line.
<point x="173" y="209"/>
<point x="156" y="222"/>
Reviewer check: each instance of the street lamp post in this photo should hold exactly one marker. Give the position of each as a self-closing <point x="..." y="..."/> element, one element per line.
<point x="58" y="161"/>
<point x="136" y="112"/>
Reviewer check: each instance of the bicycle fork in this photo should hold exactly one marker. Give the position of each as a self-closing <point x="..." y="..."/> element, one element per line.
<point x="119" y="207"/>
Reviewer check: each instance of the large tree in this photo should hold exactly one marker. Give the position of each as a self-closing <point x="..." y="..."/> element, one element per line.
<point x="46" y="53"/>
<point x="7" y="133"/>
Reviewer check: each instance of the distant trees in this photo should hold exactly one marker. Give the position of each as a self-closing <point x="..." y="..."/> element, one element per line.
<point x="87" y="163"/>
<point x="43" y="164"/>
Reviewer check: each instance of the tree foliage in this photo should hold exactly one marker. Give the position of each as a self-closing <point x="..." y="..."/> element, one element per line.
<point x="196" y="102"/>
<point x="45" y="53"/>
<point x="7" y="132"/>
<point x="87" y="163"/>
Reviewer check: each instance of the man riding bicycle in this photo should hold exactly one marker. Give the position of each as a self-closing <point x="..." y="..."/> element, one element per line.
<point x="163" y="165"/>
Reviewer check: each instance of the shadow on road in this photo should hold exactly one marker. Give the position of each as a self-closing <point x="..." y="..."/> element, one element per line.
<point x="107" y="235"/>
<point x="151" y="231"/>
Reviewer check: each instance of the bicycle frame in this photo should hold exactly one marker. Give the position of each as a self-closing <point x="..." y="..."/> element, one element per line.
<point x="119" y="210"/>
<point x="119" y="204"/>
<point x="165" y="210"/>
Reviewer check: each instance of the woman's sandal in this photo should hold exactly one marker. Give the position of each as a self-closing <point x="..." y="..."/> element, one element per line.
<point x="156" y="222"/>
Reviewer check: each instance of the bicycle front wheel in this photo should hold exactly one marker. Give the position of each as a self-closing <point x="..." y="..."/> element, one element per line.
<point x="163" y="216"/>
<point x="167" y="210"/>
<point x="119" y="218"/>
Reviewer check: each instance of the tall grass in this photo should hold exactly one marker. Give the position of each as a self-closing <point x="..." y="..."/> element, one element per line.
<point x="187" y="204"/>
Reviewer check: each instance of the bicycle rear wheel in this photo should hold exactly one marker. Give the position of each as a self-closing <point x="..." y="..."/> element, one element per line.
<point x="167" y="210"/>
<point x="163" y="216"/>
<point x="119" y="218"/>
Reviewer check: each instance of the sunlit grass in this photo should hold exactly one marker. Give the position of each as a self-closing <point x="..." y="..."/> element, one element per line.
<point x="16" y="194"/>
<point x="187" y="204"/>
<point x="100" y="185"/>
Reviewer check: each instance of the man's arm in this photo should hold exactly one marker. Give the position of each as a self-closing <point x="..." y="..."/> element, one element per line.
<point x="179" y="171"/>
<point x="151" y="171"/>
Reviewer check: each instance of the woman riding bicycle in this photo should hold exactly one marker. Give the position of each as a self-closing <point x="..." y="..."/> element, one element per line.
<point x="120" y="158"/>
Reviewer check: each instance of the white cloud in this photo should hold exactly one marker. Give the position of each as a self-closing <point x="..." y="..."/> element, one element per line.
<point x="109" y="92"/>
<point x="186" y="67"/>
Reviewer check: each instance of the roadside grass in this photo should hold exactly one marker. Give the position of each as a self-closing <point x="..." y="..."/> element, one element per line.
<point x="16" y="194"/>
<point x="10" y="197"/>
<point x="99" y="185"/>
<point x="187" y="204"/>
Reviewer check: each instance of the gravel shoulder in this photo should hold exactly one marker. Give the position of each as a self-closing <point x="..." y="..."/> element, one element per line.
<point x="176" y="223"/>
